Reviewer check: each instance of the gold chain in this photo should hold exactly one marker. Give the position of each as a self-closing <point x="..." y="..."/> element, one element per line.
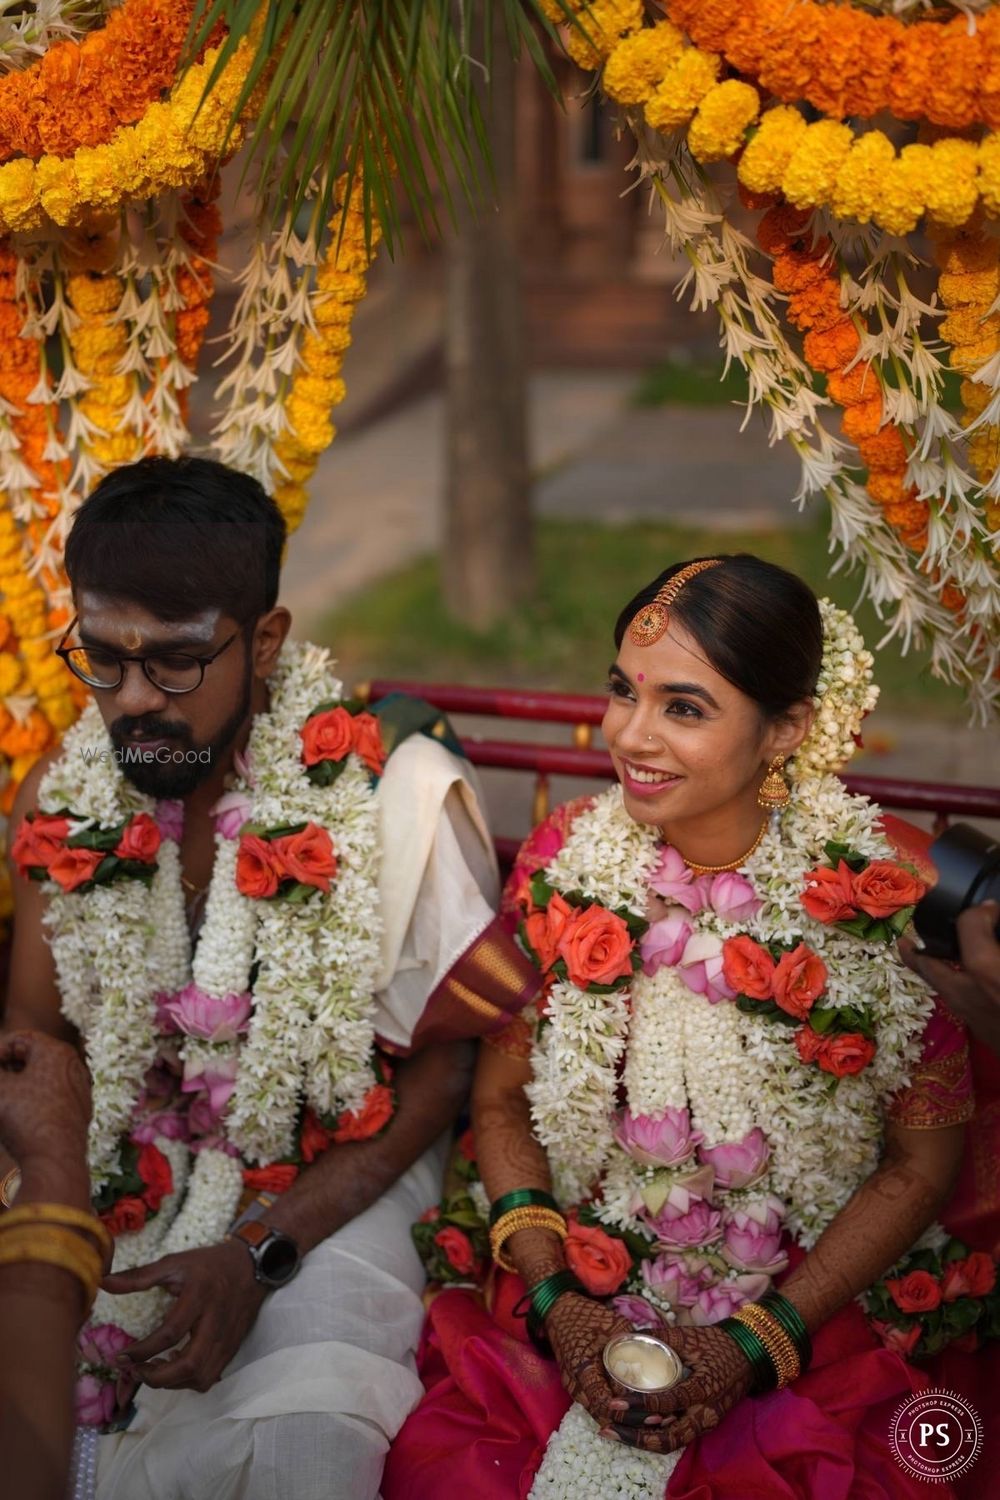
<point x="734" y="864"/>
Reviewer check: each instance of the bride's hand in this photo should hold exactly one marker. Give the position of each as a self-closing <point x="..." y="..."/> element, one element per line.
<point x="720" y="1377"/>
<point x="578" y="1329"/>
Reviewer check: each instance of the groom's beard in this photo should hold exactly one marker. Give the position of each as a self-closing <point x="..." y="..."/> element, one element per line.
<point x="168" y="778"/>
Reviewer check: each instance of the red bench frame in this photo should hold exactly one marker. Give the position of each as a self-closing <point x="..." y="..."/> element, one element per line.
<point x="581" y="758"/>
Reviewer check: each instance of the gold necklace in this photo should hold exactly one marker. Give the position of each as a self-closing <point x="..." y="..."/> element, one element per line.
<point x="733" y="864"/>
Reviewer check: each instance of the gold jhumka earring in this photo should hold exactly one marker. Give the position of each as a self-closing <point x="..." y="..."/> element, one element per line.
<point x="774" y="788"/>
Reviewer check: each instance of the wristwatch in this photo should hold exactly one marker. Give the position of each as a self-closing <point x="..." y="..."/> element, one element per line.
<point x="275" y="1255"/>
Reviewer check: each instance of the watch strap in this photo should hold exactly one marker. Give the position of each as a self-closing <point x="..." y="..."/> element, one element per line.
<point x="252" y="1232"/>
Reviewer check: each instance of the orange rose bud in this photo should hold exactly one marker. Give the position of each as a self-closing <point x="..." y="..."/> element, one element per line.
<point x="257" y="871"/>
<point x="125" y="1217"/>
<point x="374" y="1114"/>
<point x="748" y="968"/>
<point x="72" y="868"/>
<point x="307" y="856"/>
<point x="543" y="930"/>
<point x="327" y="736"/>
<point x="596" y="946"/>
<point x="799" y="980"/>
<point x="883" y="889"/>
<point x="37" y="842"/>
<point x="368" y="742"/>
<point x="848" y="1053"/>
<point x="808" y="1044"/>
<point x="601" y="1262"/>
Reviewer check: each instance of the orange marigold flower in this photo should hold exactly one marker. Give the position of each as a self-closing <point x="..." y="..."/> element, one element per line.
<point x="863" y="419"/>
<point x="849" y="387"/>
<point x="834" y="347"/>
<point x="884" y="449"/>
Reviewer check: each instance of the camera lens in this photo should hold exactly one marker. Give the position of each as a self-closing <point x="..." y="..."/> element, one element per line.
<point x="968" y="866"/>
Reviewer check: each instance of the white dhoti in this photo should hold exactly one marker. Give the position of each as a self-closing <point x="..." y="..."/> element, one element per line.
<point x="320" y="1387"/>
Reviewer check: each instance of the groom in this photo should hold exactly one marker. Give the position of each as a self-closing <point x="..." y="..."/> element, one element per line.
<point x="282" y="1365"/>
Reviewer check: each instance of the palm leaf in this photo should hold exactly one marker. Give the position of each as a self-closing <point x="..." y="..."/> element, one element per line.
<point x="390" y="89"/>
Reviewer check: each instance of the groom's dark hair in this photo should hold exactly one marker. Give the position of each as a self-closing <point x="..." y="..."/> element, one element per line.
<point x="179" y="535"/>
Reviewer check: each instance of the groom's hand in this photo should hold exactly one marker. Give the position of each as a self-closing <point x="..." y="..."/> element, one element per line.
<point x="216" y="1300"/>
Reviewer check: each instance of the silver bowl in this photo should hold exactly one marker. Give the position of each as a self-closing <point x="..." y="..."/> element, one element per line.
<point x="649" y="1341"/>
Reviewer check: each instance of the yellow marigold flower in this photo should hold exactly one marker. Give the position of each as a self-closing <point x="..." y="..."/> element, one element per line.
<point x="901" y="204"/>
<point x="292" y="500"/>
<point x="603" y="23"/>
<point x="20" y="766"/>
<point x="989" y="173"/>
<point x="60" y="712"/>
<point x="767" y="154"/>
<point x="101" y="172"/>
<point x="975" y="398"/>
<point x="96" y="342"/>
<point x="984" y="451"/>
<point x="321" y="391"/>
<point x="993" y="516"/>
<point x="859" y="182"/>
<point x="310" y="423"/>
<point x="19" y="585"/>
<point x="91" y="295"/>
<point x="19" y="207"/>
<point x="963" y="324"/>
<point x="331" y="310"/>
<point x="103" y="403"/>
<point x="810" y="176"/>
<point x="117" y="448"/>
<point x="36" y="651"/>
<point x="57" y="187"/>
<point x="350" y="258"/>
<point x="293" y="458"/>
<point x="11" y="675"/>
<point x="722" y="120"/>
<point x="346" y="286"/>
<point x="557" y="12"/>
<point x="968" y="288"/>
<point x="683" y="89"/>
<point x="951" y="189"/>
<point x="318" y="349"/>
<point x="640" y="62"/>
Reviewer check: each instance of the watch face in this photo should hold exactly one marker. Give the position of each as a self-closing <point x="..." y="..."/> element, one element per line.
<point x="278" y="1259"/>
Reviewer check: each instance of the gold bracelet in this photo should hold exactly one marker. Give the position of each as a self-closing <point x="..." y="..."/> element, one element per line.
<point x="60" y="1213"/>
<point x="56" y="1247"/>
<point x="9" y="1185"/>
<point x="515" y="1219"/>
<point x="780" y="1348"/>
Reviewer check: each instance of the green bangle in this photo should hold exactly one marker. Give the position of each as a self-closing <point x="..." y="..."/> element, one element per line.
<point x="544" y="1296"/>
<point x="521" y="1198"/>
<point x="765" y="1376"/>
<point x="790" y="1319"/>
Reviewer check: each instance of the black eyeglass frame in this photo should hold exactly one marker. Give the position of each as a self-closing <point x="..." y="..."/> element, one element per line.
<point x="112" y="687"/>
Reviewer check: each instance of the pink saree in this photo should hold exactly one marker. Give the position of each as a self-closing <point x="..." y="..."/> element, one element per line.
<point x="492" y="1401"/>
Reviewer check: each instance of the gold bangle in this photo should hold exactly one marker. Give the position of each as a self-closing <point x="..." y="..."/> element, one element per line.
<point x="7" y="1193"/>
<point x="60" y="1213"/>
<point x="57" y="1247"/>
<point x="780" y="1348"/>
<point x="515" y="1219"/>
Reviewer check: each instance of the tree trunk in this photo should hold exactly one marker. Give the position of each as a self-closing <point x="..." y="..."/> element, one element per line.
<point x="487" y="566"/>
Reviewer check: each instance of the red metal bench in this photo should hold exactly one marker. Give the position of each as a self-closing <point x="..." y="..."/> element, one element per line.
<point x="581" y="758"/>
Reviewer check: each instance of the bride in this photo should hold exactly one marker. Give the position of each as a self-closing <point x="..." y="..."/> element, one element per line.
<point x="732" y="1111"/>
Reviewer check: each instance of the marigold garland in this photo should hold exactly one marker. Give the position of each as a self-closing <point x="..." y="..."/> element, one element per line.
<point x="79" y="93"/>
<point x="845" y="62"/>
<point x="99" y="344"/>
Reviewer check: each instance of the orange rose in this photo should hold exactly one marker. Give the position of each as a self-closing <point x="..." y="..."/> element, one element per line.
<point x="125" y="1217"/>
<point x="140" y="840"/>
<point x="273" y="1179"/>
<point x="918" y="1292"/>
<point x="799" y="980"/>
<point x="327" y="736"/>
<point x="808" y="1044"/>
<point x="375" y="1113"/>
<point x="314" y="1138"/>
<point x="457" y="1248"/>
<point x="368" y="742"/>
<point x="748" y="968"/>
<point x="307" y="856"/>
<point x="37" y="842"/>
<point x="883" y="889"/>
<point x="848" y="1053"/>
<point x="156" y="1173"/>
<point x="602" y="1263"/>
<point x="543" y="930"/>
<point x="829" y="894"/>
<point x="257" y="871"/>
<point x="74" y="867"/>
<point x="596" y="946"/>
<point x="973" y="1277"/>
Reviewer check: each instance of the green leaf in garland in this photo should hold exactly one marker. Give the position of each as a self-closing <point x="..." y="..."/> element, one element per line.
<point x="541" y="891"/>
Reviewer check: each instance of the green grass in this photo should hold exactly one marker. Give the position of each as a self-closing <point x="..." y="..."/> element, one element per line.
<point x="691" y="382"/>
<point x="398" y="627"/>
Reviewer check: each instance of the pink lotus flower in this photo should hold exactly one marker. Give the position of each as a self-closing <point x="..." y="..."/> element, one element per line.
<point x="738" y="1163"/>
<point x="218" y="1080"/>
<point x="752" y="1237"/>
<point x="230" y="813"/>
<point x="95" y="1401"/>
<point x="167" y="1123"/>
<point x="685" y="1221"/>
<point x="670" y="1278"/>
<point x="721" y="1301"/>
<point x="164" y="1019"/>
<point x="900" y="1340"/>
<point x="169" y="816"/>
<point x="663" y="1140"/>
<point x="637" y="1311"/>
<point x="732" y="897"/>
<point x="700" y="968"/>
<point x="101" y="1343"/>
<point x="216" y="1018"/>
<point x="664" y="942"/>
<point x="674" y="881"/>
<point x="698" y="1180"/>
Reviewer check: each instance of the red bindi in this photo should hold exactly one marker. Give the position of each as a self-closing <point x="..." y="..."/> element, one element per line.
<point x="642" y="676"/>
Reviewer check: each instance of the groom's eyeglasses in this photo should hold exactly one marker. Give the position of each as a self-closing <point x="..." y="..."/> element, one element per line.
<point x="170" y="671"/>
